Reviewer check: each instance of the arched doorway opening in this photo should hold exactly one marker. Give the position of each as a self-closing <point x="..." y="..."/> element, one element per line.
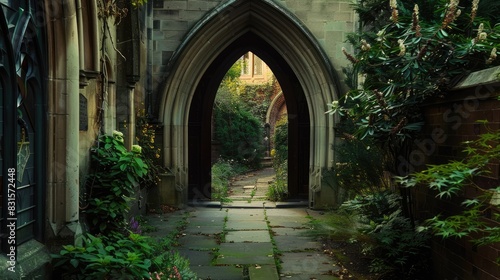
<point x="200" y="112"/>
<point x="197" y="68"/>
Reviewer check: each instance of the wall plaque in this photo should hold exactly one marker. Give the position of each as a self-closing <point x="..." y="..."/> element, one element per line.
<point x="84" y="119"/>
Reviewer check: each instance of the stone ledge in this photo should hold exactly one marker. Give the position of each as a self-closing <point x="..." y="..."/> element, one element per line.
<point x="32" y="262"/>
<point x="482" y="77"/>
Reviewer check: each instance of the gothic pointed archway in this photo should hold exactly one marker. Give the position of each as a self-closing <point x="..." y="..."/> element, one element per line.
<point x="195" y="72"/>
<point x="201" y="110"/>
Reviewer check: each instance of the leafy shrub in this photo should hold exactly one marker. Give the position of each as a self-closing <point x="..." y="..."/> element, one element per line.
<point x="409" y="53"/>
<point x="222" y="171"/>
<point x="453" y="179"/>
<point x="240" y="135"/>
<point x="396" y="248"/>
<point x="374" y="206"/>
<point x="113" y="257"/>
<point x="280" y="142"/>
<point x="278" y="189"/>
<point x="115" y="175"/>
<point x="359" y="167"/>
<point x="118" y="256"/>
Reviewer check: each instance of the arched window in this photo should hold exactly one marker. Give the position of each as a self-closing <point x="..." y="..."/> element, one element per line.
<point x="22" y="102"/>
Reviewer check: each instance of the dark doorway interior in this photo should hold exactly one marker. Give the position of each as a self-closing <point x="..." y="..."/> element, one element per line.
<point x="199" y="130"/>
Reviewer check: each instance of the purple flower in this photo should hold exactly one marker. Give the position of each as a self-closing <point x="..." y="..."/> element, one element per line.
<point x="134" y="226"/>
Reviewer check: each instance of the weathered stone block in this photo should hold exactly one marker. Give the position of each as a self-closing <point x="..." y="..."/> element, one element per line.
<point x="175" y="5"/>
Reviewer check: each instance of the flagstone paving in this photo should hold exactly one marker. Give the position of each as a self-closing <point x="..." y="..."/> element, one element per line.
<point x="249" y="239"/>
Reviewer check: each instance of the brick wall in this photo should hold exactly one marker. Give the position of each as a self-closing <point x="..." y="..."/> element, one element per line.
<point x="450" y="121"/>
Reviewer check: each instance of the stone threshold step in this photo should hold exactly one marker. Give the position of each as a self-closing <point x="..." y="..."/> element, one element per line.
<point x="253" y="204"/>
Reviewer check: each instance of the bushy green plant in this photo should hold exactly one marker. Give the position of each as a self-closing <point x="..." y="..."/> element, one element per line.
<point x="406" y="59"/>
<point x="115" y="174"/>
<point x="397" y="250"/>
<point x="107" y="257"/>
<point x="240" y="135"/>
<point x="222" y="172"/>
<point x="118" y="256"/>
<point x="478" y="216"/>
<point x="278" y="189"/>
<point x="359" y="167"/>
<point x="373" y="206"/>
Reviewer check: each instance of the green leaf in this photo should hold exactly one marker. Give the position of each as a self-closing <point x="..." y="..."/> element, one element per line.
<point x="123" y="167"/>
<point x="470" y="202"/>
<point x="131" y="179"/>
<point x="74" y="262"/>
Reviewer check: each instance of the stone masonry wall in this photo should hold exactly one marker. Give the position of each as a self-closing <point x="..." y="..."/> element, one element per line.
<point x="328" y="20"/>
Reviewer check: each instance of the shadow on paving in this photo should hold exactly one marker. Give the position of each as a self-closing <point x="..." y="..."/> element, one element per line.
<point x="257" y="240"/>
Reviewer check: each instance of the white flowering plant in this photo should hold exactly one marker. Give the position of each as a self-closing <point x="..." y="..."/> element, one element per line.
<point x="405" y="56"/>
<point x="115" y="174"/>
<point x="408" y="54"/>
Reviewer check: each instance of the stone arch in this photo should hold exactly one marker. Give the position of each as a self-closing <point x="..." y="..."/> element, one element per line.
<point x="195" y="71"/>
<point x="275" y="111"/>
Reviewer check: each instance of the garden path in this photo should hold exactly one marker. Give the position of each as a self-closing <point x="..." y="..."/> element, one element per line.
<point x="249" y="238"/>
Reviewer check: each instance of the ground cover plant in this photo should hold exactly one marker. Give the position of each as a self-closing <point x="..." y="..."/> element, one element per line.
<point x="126" y="255"/>
<point x="222" y="172"/>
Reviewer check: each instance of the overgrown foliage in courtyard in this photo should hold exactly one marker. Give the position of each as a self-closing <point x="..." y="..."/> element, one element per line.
<point x="222" y="172"/>
<point x="278" y="189"/>
<point x="125" y="255"/>
<point x="479" y="216"/>
<point x="237" y="122"/>
<point x="406" y="54"/>
<point x="404" y="60"/>
<point x="113" y="248"/>
<point x="112" y="182"/>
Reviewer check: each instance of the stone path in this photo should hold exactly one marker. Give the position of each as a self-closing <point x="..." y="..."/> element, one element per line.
<point x="248" y="239"/>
